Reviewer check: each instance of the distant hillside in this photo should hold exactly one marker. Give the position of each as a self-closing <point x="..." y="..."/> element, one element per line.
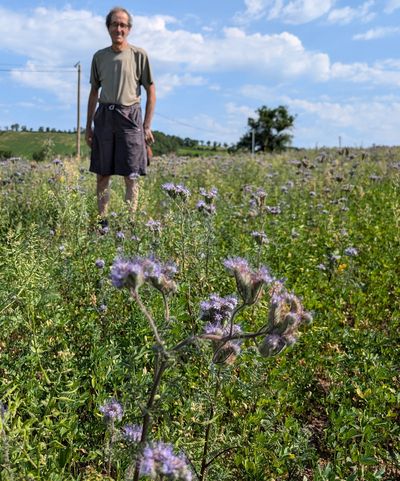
<point x="26" y="144"/>
<point x="35" y="145"/>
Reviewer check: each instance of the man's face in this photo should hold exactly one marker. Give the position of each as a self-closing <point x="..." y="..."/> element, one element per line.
<point x="119" y="29"/>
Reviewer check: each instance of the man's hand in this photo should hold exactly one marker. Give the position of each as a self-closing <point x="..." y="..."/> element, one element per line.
<point x="148" y="135"/>
<point x="89" y="136"/>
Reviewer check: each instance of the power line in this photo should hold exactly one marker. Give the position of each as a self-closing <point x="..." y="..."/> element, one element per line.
<point x="36" y="71"/>
<point x="185" y="124"/>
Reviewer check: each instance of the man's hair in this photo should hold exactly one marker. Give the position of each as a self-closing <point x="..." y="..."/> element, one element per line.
<point x="116" y="10"/>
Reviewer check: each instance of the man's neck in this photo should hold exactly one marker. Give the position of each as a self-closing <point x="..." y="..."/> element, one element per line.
<point x="119" y="47"/>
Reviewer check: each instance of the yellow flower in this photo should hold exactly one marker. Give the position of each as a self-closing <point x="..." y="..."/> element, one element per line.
<point x="342" y="267"/>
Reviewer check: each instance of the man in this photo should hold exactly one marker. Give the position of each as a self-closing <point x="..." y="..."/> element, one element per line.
<point x="118" y="140"/>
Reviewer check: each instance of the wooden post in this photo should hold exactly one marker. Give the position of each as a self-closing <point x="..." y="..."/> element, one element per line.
<point x="78" y="108"/>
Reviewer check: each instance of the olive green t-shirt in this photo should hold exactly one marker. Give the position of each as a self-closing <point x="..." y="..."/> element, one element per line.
<point x="120" y="75"/>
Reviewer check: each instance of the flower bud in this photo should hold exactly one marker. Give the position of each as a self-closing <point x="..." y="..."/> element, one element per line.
<point x="272" y="345"/>
<point x="307" y="318"/>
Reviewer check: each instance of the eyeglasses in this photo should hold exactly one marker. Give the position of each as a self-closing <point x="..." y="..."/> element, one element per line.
<point x="119" y="24"/>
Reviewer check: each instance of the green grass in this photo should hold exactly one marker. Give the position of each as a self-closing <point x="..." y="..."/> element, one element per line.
<point x="325" y="409"/>
<point x="24" y="144"/>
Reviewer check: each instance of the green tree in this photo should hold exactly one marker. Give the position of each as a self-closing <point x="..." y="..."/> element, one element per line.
<point x="270" y="130"/>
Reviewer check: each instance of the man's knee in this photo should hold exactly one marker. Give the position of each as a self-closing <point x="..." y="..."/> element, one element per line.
<point x="103" y="181"/>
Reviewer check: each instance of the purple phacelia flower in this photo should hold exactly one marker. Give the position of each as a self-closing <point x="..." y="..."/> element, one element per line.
<point x="102" y="308"/>
<point x="127" y="273"/>
<point x="154" y="226"/>
<point x="159" y="460"/>
<point x="286" y="314"/>
<point x="260" y="237"/>
<point x="248" y="282"/>
<point x="120" y="235"/>
<point x="205" y="208"/>
<point x="160" y="275"/>
<point x="209" y="196"/>
<point x="100" y="263"/>
<point x="272" y="345"/>
<point x="112" y="410"/>
<point x="273" y="210"/>
<point x="176" y="190"/>
<point x="132" y="433"/>
<point x="351" y="252"/>
<point x="217" y="309"/>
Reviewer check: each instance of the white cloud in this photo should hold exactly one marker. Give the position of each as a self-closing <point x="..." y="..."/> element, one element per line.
<point x="392" y="5"/>
<point x="363" y="73"/>
<point x="293" y="11"/>
<point x="362" y="121"/>
<point x="375" y="33"/>
<point x="283" y="54"/>
<point x="300" y="11"/>
<point x="51" y="36"/>
<point x="347" y="15"/>
<point x="243" y="111"/>
<point x="62" y="37"/>
<point x="167" y="82"/>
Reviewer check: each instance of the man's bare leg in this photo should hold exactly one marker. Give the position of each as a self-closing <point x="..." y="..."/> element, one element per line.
<point x="103" y="194"/>
<point x="132" y="195"/>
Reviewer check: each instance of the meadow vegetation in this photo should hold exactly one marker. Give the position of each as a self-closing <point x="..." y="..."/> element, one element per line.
<point x="46" y="145"/>
<point x="104" y="332"/>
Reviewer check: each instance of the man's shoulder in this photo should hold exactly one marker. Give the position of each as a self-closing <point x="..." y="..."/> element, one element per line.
<point x="138" y="50"/>
<point x="102" y="51"/>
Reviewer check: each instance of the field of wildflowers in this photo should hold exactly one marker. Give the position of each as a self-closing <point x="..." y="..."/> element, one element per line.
<point x="245" y="327"/>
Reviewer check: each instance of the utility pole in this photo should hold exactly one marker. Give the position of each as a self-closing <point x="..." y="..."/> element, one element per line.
<point x="78" y="109"/>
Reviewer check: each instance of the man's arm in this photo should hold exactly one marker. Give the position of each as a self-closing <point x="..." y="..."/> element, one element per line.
<point x="91" y="109"/>
<point x="149" y="112"/>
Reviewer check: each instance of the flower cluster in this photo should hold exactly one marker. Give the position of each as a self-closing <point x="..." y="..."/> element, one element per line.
<point x="273" y="210"/>
<point x="217" y="309"/>
<point x="286" y="315"/>
<point x="205" y="208"/>
<point x="249" y="283"/>
<point x="154" y="226"/>
<point x="159" y="460"/>
<point x="112" y="411"/>
<point x="132" y="273"/>
<point x="100" y="263"/>
<point x="132" y="433"/>
<point x="127" y="273"/>
<point x="260" y="237"/>
<point x="176" y="191"/>
<point x="351" y="252"/>
<point x="225" y="351"/>
<point x="209" y="196"/>
<point x="258" y="198"/>
<point x="160" y="275"/>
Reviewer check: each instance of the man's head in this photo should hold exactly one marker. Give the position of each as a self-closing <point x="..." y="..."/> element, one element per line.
<point x="119" y="24"/>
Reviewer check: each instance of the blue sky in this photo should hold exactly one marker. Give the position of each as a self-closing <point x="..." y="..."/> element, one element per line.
<point x="334" y="63"/>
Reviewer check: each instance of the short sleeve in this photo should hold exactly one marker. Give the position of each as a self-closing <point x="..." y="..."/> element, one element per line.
<point x="94" y="74"/>
<point x="146" y="78"/>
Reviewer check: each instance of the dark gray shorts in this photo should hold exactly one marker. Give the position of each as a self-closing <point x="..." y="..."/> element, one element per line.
<point x="118" y="146"/>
